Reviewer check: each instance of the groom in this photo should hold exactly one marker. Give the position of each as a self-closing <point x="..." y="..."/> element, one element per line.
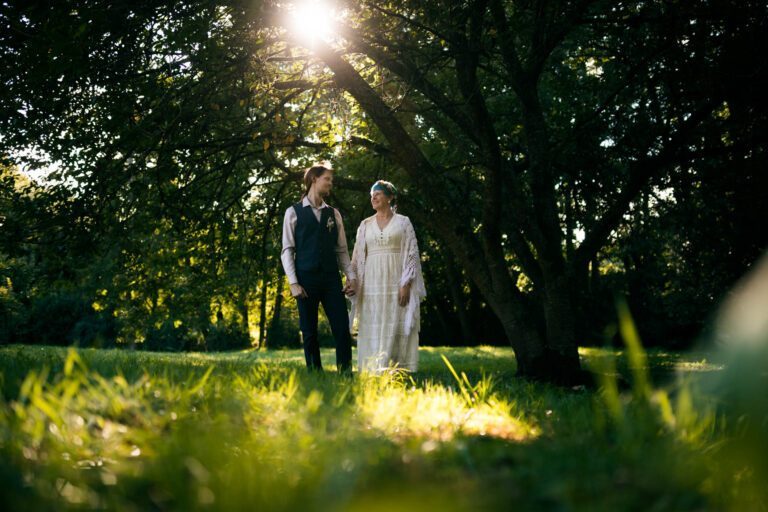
<point x="314" y="247"/>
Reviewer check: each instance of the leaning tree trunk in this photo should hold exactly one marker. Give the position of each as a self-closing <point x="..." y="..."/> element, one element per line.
<point x="483" y="261"/>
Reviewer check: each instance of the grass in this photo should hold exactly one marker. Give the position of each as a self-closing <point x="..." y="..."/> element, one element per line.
<point x="253" y="430"/>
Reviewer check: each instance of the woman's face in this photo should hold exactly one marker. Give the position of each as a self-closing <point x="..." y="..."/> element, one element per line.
<point x="379" y="200"/>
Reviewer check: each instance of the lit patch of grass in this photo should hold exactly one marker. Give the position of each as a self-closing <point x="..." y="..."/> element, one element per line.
<point x="658" y="360"/>
<point x="396" y="407"/>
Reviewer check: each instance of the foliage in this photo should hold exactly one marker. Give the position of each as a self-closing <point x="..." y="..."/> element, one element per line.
<point x="12" y="311"/>
<point x="64" y="319"/>
<point x="229" y="336"/>
<point x="171" y="337"/>
<point x="551" y="124"/>
<point x="633" y="135"/>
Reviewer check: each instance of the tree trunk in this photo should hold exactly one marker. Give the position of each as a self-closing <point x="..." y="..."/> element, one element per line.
<point x="444" y="328"/>
<point x="454" y="286"/>
<point x="245" y="315"/>
<point x="563" y="354"/>
<point x="485" y="261"/>
<point x="594" y="279"/>
<point x="263" y="310"/>
<point x="276" y="311"/>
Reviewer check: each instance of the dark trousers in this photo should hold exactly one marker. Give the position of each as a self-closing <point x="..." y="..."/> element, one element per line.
<point x="324" y="288"/>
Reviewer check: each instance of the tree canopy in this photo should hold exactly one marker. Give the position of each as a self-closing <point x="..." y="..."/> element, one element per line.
<point x="550" y="154"/>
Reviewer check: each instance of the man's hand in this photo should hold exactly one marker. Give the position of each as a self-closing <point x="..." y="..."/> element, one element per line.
<point x="350" y="287"/>
<point x="298" y="292"/>
<point x="404" y="295"/>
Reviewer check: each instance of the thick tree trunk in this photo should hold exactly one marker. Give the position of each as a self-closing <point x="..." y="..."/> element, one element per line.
<point x="528" y="344"/>
<point x="551" y="356"/>
<point x="559" y="314"/>
<point x="594" y="278"/>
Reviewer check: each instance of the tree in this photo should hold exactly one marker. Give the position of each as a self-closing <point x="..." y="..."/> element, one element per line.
<point x="561" y="114"/>
<point x="533" y="141"/>
<point x="158" y="120"/>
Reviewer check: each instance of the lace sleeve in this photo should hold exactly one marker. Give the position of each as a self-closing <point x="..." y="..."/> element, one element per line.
<point x="355" y="262"/>
<point x="412" y="263"/>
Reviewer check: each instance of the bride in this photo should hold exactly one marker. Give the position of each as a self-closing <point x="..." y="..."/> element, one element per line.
<point x="389" y="286"/>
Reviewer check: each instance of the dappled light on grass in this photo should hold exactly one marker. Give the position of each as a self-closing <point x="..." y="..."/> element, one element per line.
<point x="397" y="408"/>
<point x="266" y="433"/>
<point x="691" y="361"/>
<point x="118" y="430"/>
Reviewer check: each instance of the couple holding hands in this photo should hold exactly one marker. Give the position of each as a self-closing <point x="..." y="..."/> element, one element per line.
<point x="383" y="278"/>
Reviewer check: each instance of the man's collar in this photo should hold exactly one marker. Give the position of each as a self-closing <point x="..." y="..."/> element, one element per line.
<point x="305" y="202"/>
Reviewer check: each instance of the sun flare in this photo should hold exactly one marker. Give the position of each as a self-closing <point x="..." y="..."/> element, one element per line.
<point x="313" y="19"/>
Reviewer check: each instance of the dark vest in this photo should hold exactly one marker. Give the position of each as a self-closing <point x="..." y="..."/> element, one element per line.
<point x="315" y="241"/>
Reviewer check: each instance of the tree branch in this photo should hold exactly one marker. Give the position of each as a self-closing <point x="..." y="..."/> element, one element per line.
<point x="641" y="173"/>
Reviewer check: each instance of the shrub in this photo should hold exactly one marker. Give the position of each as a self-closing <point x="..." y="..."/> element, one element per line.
<point x="11" y="315"/>
<point x="171" y="338"/>
<point x="227" y="336"/>
<point x="52" y="318"/>
<point x="95" y="330"/>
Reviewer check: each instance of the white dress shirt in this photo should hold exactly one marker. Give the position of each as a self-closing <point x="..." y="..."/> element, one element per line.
<point x="288" y="254"/>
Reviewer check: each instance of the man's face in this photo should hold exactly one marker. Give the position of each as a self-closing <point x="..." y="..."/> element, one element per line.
<point x="324" y="183"/>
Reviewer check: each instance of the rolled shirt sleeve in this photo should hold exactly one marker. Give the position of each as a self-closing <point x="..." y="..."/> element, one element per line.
<point x="287" y="255"/>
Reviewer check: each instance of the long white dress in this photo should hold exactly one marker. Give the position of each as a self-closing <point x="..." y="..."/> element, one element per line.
<point x="384" y="260"/>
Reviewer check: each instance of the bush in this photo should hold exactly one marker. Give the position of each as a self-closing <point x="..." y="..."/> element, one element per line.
<point x="171" y="338"/>
<point x="227" y="336"/>
<point x="66" y="319"/>
<point x="96" y="330"/>
<point x="11" y="315"/>
<point x="52" y="318"/>
<point x="14" y="275"/>
<point x="284" y="334"/>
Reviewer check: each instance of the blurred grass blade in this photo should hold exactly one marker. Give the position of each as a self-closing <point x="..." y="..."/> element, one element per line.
<point x="462" y="386"/>
<point x="638" y="362"/>
<point x="201" y="384"/>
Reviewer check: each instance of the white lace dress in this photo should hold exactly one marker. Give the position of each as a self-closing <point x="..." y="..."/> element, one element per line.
<point x="384" y="260"/>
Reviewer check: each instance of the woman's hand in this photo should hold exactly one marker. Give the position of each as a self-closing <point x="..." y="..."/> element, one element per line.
<point x="349" y="288"/>
<point x="404" y="295"/>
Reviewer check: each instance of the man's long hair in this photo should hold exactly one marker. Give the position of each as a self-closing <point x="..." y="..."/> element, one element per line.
<point x="315" y="171"/>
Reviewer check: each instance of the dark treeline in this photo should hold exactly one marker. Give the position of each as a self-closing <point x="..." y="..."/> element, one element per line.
<point x="552" y="155"/>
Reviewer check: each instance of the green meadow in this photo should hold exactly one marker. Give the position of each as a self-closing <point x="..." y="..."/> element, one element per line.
<point x="112" y="429"/>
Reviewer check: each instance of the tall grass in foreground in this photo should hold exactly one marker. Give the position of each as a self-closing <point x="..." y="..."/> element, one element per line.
<point x="228" y="432"/>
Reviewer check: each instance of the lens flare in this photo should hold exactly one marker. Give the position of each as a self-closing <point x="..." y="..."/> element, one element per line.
<point x="312" y="20"/>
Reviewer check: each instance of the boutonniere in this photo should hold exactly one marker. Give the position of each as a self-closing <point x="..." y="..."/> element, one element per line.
<point x="330" y="224"/>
